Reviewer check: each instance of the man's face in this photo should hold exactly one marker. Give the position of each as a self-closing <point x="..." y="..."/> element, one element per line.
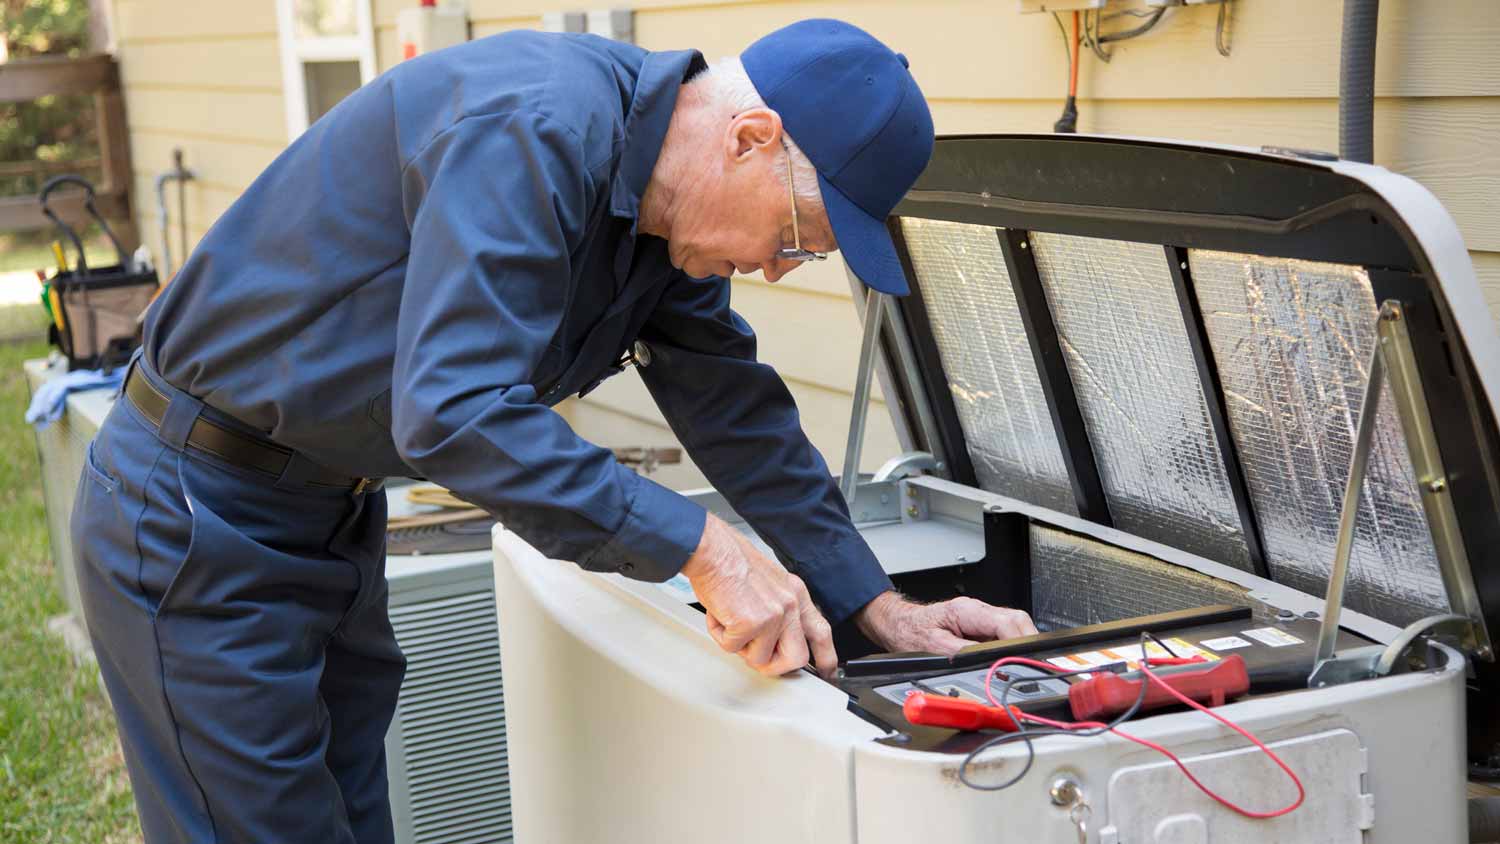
<point x="737" y="213"/>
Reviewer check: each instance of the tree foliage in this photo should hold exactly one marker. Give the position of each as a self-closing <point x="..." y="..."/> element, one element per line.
<point x="52" y="128"/>
<point x="45" y="27"/>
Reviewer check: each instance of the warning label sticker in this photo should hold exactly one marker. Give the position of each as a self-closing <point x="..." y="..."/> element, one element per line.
<point x="1131" y="655"/>
<point x="1097" y="658"/>
<point x="1187" y="649"/>
<point x="1272" y="636"/>
<point x="1227" y="643"/>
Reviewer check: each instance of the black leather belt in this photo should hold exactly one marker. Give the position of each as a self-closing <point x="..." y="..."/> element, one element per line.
<point x="232" y="446"/>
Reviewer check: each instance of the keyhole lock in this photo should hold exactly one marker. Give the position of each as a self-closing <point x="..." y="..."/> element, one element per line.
<point x="1065" y="792"/>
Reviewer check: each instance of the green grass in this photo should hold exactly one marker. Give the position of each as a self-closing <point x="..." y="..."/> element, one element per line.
<point x="22" y="322"/>
<point x="62" y="778"/>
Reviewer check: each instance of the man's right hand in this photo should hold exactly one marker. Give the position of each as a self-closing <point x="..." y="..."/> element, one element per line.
<point x="756" y="608"/>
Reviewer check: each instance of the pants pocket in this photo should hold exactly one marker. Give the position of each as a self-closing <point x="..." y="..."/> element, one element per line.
<point x="229" y="570"/>
<point x="93" y="471"/>
<point x="106" y="508"/>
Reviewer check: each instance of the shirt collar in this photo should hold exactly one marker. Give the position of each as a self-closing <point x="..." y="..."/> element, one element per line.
<point x="651" y="106"/>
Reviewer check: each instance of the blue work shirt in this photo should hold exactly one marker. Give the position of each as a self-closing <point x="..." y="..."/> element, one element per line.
<point x="418" y="278"/>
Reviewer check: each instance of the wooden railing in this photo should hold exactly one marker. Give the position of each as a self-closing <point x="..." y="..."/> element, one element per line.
<point x="22" y="80"/>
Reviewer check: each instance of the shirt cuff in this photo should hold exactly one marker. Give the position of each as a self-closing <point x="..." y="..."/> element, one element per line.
<point x="661" y="531"/>
<point x="844" y="578"/>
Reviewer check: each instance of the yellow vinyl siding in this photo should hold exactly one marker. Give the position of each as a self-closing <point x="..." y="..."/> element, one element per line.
<point x="984" y="49"/>
<point x="164" y="21"/>
<point x="256" y="64"/>
<point x="205" y="78"/>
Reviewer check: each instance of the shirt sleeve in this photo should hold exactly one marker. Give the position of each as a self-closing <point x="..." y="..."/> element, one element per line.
<point x="496" y="205"/>
<point x="740" y="425"/>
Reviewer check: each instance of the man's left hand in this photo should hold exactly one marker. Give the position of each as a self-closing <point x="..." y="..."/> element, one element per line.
<point x="897" y="624"/>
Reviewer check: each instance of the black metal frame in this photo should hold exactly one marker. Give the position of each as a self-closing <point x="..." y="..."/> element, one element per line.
<point x="1158" y="192"/>
<point x="1189" y="197"/>
<point x="1213" y="399"/>
<point x="1057" y="381"/>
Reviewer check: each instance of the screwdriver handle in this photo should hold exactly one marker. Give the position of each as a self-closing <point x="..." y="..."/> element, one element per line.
<point x="954" y="713"/>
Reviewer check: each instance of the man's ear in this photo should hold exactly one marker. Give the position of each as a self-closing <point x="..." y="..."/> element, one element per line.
<point x="751" y="130"/>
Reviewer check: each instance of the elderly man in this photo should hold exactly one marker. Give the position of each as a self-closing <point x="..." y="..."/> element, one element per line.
<point x="406" y="290"/>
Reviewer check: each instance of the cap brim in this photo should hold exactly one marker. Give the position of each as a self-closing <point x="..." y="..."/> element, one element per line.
<point x="864" y="242"/>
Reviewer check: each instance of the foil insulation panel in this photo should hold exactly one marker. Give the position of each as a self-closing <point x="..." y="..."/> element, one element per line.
<point x="1137" y="384"/>
<point x="1292" y="342"/>
<point x="1078" y="581"/>
<point x="987" y="360"/>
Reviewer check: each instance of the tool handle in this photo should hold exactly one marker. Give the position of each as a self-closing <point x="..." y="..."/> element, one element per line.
<point x="88" y="204"/>
<point x="932" y="710"/>
<point x="1106" y="695"/>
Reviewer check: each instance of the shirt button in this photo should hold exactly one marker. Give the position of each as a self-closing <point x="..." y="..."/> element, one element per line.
<point x="627" y="568"/>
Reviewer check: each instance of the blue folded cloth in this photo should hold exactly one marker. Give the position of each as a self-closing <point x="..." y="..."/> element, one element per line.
<point x="50" y="398"/>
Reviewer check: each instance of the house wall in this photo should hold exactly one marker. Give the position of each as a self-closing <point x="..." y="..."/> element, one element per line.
<point x="206" y="77"/>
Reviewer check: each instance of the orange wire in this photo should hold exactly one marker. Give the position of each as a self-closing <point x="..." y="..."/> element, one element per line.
<point x="1077" y="48"/>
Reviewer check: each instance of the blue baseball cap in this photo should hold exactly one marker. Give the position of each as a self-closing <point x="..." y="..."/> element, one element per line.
<point x="853" y="107"/>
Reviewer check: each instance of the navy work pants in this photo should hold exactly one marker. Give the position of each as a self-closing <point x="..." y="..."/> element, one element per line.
<point x="240" y="622"/>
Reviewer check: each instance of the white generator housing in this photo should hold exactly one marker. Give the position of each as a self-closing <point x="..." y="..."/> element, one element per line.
<point x="1132" y="382"/>
<point x="618" y="693"/>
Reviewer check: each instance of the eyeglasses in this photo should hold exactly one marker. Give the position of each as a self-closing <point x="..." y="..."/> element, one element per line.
<point x="795" y="252"/>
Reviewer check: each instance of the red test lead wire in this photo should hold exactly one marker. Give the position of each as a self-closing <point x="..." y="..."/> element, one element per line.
<point x="1181" y="698"/>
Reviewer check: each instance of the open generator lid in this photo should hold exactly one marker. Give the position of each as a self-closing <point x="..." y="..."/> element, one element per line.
<point x="1175" y="340"/>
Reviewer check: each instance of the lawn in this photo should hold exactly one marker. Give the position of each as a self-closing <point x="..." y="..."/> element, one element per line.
<point x="62" y="778"/>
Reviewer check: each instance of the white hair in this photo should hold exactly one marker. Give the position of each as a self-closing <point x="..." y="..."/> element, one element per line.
<point x="726" y="85"/>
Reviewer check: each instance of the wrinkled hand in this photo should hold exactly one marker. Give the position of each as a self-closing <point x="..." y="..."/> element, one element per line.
<point x="897" y="624"/>
<point x="756" y="608"/>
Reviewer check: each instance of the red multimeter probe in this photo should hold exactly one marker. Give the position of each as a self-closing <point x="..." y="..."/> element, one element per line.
<point x="958" y="713"/>
<point x="1105" y="695"/>
<point x="1098" y="697"/>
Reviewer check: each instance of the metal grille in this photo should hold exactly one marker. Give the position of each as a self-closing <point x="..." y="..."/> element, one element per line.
<point x="991" y="372"/>
<point x="452" y="720"/>
<point x="1137" y="384"/>
<point x="1292" y="342"/>
<point x="1078" y="581"/>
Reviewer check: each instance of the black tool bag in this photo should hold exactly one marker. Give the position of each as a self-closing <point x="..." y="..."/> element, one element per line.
<point x="101" y="309"/>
